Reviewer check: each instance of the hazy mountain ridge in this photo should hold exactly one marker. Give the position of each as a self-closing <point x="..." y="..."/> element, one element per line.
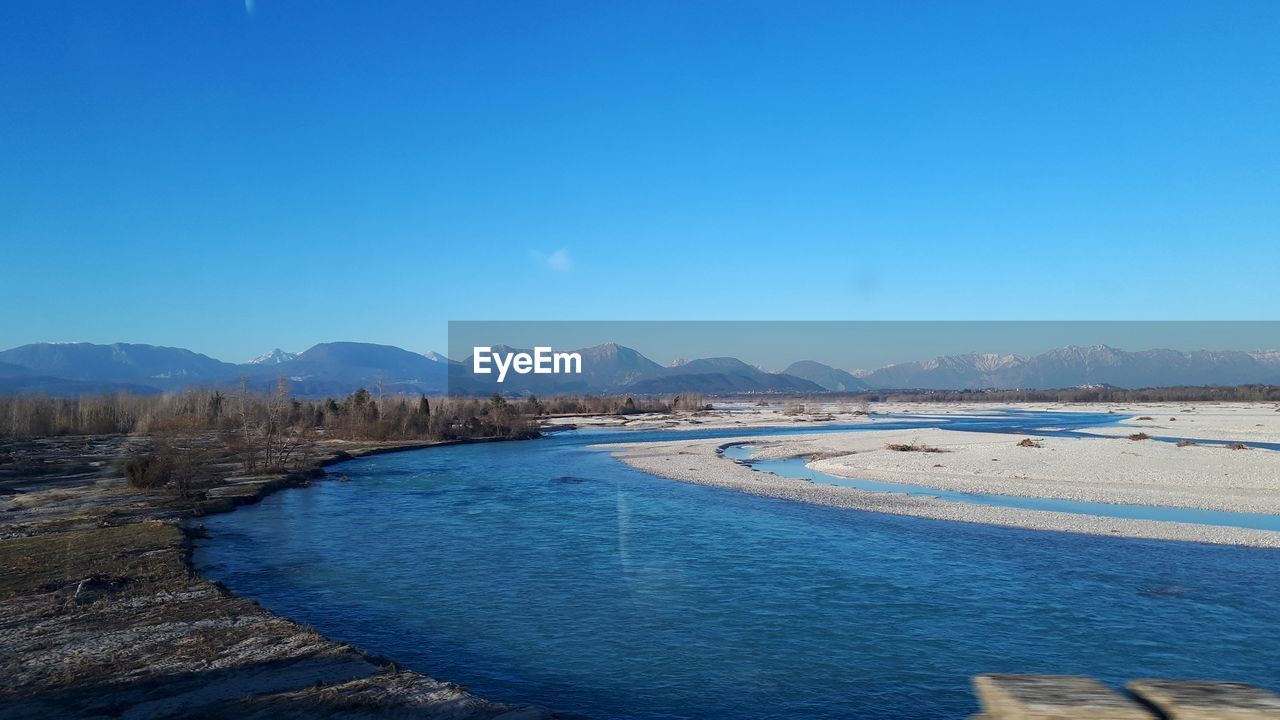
<point x="327" y="368"/>
<point x="832" y="379"/>
<point x="1075" y="365"/>
<point x="339" y="368"/>
<point x="163" y="368"/>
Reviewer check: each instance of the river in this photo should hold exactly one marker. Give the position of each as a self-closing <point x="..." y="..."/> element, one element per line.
<point x="548" y="572"/>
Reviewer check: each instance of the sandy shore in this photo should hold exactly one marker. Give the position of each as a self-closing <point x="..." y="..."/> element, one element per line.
<point x="1245" y="423"/>
<point x="1107" y="470"/>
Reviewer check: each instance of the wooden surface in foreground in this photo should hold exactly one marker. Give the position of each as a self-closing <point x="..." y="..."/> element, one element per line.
<point x="1073" y="697"/>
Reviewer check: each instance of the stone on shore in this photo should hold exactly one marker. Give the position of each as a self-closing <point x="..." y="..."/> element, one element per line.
<point x="1053" y="697"/>
<point x="1206" y="700"/>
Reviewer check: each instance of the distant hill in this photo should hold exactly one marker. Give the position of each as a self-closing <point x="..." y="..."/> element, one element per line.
<point x="8" y="370"/>
<point x="722" y="375"/>
<point x="605" y="368"/>
<point x="163" y="368"/>
<point x="831" y="379"/>
<point x="723" y="384"/>
<point x="339" y="368"/>
<point x="613" y="368"/>
<point x="44" y="385"/>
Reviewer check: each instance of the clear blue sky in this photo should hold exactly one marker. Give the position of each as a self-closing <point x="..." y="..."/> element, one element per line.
<point x="231" y="178"/>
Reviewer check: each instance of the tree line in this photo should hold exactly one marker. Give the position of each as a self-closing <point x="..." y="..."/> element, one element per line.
<point x="245" y="416"/>
<point x="188" y="433"/>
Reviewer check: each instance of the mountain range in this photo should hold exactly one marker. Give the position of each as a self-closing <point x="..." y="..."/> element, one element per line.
<point x="1074" y="365"/>
<point x="339" y="368"/>
<point x="613" y="368"/>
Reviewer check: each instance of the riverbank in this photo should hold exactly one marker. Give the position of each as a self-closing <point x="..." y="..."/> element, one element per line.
<point x="102" y="615"/>
<point x="1103" y="469"/>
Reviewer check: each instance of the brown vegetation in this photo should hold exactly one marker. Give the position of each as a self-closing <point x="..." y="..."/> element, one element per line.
<point x="614" y="405"/>
<point x="273" y="423"/>
<point x="1139" y="436"/>
<point x="913" y="447"/>
<point x="793" y="408"/>
<point x="183" y="437"/>
<point x="1028" y="442"/>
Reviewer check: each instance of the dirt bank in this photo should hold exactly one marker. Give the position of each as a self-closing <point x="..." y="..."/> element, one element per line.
<point x="101" y="614"/>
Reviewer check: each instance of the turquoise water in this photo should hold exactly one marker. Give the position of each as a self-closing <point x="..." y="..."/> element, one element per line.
<point x="546" y="572"/>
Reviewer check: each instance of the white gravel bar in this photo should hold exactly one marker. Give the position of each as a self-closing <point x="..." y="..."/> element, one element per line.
<point x="1112" y="470"/>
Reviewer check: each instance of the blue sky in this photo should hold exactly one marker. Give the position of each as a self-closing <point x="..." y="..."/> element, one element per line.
<point x="232" y="178"/>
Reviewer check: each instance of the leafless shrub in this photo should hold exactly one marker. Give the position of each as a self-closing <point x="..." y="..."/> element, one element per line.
<point x="167" y="467"/>
<point x="689" y="402"/>
<point x="793" y="408"/>
<point x="146" y="472"/>
<point x="1139" y="436"/>
<point x="913" y="447"/>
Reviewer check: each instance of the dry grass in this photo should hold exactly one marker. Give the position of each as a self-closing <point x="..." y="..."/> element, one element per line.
<point x="1140" y="436"/>
<point x="1028" y="442"/>
<point x="913" y="447"/>
<point x="113" y="555"/>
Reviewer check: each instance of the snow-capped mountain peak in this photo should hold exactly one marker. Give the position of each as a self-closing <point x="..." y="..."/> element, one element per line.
<point x="275" y="357"/>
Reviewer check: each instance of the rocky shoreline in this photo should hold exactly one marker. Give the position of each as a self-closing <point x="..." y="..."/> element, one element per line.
<point x="102" y="615"/>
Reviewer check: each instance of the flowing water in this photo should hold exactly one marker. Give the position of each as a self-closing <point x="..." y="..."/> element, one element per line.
<point x="547" y="572"/>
